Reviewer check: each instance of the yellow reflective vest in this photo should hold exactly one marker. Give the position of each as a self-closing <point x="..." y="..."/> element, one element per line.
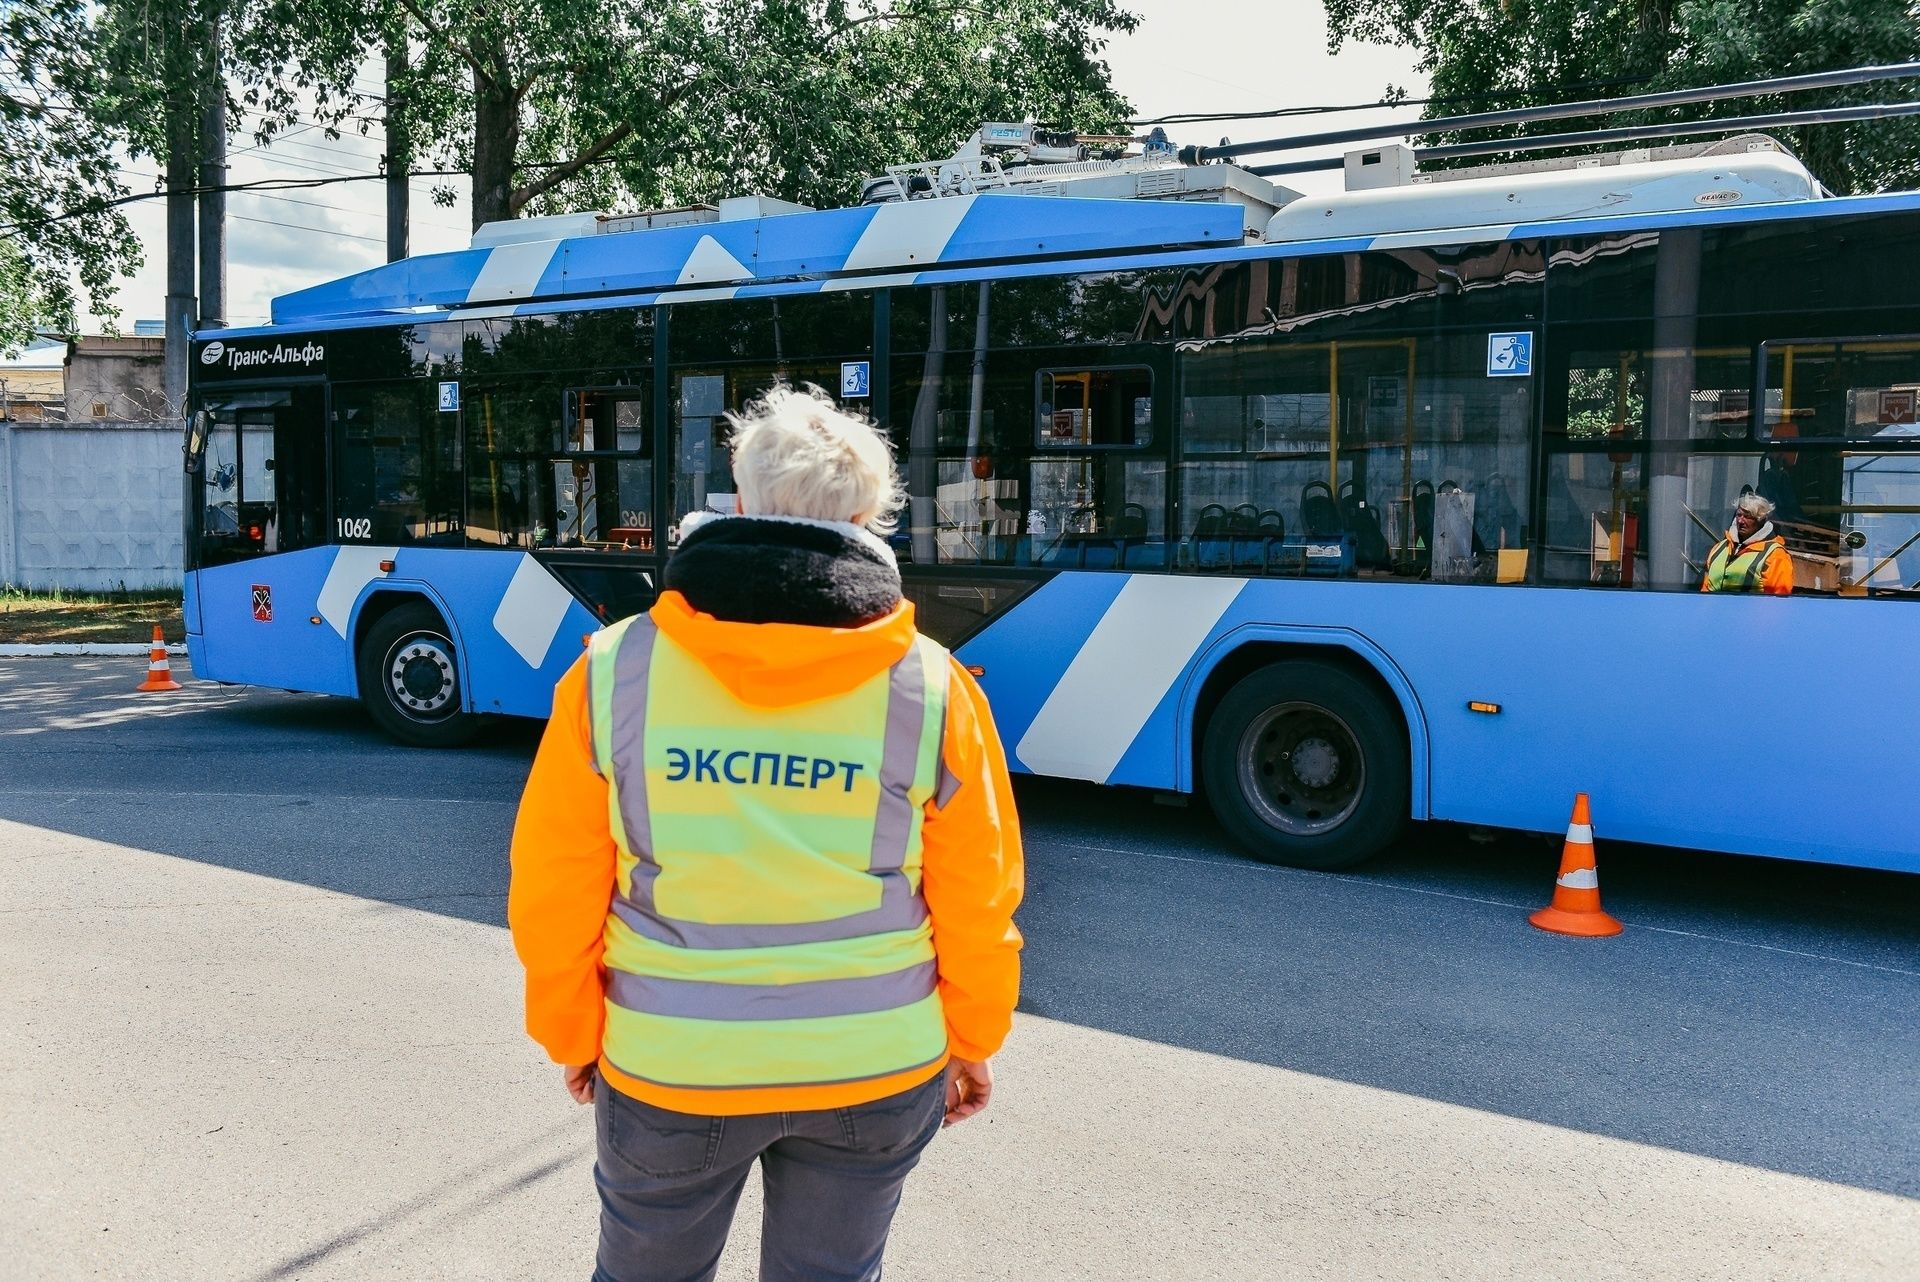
<point x="767" y="927"/>
<point x="1745" y="570"/>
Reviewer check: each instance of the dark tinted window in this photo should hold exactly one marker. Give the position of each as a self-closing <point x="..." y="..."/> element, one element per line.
<point x="1812" y="264"/>
<point x="1599" y="277"/>
<point x="397" y="475"/>
<point x="794" y="327"/>
<point x="1101" y="308"/>
<point x="1492" y="285"/>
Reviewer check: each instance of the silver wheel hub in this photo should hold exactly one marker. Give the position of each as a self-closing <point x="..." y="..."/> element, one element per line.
<point x="420" y="677"/>
<point x="1301" y="768"/>
<point x="1315" y="763"/>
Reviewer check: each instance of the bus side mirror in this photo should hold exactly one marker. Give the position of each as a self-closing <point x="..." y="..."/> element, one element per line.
<point x="194" y="448"/>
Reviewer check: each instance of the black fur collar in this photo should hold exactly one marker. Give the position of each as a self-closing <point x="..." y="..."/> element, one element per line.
<point x="753" y="570"/>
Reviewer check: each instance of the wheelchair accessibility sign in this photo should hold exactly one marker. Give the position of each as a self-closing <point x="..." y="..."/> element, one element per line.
<point x="1510" y="355"/>
<point x="855" y="378"/>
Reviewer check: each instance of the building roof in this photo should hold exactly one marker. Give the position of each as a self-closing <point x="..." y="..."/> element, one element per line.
<point x="40" y="355"/>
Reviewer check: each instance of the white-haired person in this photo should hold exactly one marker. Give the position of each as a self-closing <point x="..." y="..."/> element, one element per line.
<point x="764" y="875"/>
<point x="1752" y="557"/>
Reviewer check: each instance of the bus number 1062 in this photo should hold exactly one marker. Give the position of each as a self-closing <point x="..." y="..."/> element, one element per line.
<point x="354" y="527"/>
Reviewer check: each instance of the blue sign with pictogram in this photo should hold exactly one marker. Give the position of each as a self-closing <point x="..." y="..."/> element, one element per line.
<point x="856" y="378"/>
<point x="1510" y="355"/>
<point x="449" y="398"/>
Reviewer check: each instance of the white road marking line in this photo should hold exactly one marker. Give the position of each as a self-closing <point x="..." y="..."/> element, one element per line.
<point x="1251" y="866"/>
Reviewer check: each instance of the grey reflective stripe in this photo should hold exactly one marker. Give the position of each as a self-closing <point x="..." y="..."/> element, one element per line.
<point x="761" y="1086"/>
<point x="1759" y="561"/>
<point x="899" y="761"/>
<point x="949" y="782"/>
<point x="814" y="999"/>
<point x="593" y="730"/>
<point x="901" y="908"/>
<point x="627" y="737"/>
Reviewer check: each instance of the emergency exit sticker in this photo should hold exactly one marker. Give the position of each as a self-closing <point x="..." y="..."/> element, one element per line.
<point x="449" y="398"/>
<point x="262" y="603"/>
<point x="856" y="378"/>
<point x="1510" y="355"/>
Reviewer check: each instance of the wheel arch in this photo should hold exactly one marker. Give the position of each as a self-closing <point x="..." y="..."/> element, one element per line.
<point x="383" y="598"/>
<point x="1250" y="647"/>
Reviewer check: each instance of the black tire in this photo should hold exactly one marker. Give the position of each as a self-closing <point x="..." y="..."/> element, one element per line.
<point x="409" y="676"/>
<point x="1306" y="764"/>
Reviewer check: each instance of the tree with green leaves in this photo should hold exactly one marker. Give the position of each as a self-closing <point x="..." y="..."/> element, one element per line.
<point x="1503" y="50"/>
<point x="59" y="177"/>
<point x="569" y="104"/>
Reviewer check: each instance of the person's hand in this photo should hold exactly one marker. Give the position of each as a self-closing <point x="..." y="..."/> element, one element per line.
<point x="579" y="1080"/>
<point x="969" y="1087"/>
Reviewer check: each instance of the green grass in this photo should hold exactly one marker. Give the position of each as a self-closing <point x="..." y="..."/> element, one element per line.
<point x="59" y="615"/>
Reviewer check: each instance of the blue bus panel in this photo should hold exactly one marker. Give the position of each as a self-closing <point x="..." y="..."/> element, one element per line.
<point x="1098" y="676"/>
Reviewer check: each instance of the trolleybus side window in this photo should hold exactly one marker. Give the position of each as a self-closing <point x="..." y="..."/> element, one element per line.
<point x="510" y="434"/>
<point x="1372" y="456"/>
<point x="1020" y="451"/>
<point x="261" y="475"/>
<point x="1842" y="461"/>
<point x="397" y="466"/>
<point x="603" y="479"/>
<point x="724" y="354"/>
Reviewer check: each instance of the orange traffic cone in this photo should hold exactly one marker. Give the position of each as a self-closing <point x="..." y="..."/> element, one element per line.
<point x="1575" y="909"/>
<point x="159" y="672"/>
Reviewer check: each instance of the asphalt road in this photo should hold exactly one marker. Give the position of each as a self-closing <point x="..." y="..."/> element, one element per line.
<point x="258" y="1019"/>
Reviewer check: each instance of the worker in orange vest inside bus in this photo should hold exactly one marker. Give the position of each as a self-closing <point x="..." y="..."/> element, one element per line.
<point x="764" y="875"/>
<point x="1751" y="558"/>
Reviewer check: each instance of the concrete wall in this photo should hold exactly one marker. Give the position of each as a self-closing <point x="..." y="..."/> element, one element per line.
<point x="117" y="380"/>
<point x="90" y="506"/>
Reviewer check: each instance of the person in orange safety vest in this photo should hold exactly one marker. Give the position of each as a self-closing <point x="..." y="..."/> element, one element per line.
<point x="1751" y="558"/>
<point x="764" y="875"/>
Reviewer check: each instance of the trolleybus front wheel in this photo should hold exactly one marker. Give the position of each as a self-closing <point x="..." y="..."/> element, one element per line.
<point x="1307" y="764"/>
<point x="410" y="679"/>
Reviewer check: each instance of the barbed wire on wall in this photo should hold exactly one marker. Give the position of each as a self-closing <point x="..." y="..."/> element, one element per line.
<point x="79" y="406"/>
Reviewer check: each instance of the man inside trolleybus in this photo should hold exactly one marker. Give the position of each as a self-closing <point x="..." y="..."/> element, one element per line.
<point x="764" y="876"/>
<point x="1751" y="558"/>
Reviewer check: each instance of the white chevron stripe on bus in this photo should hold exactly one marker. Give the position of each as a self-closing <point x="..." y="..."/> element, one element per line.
<point x="1126" y="666"/>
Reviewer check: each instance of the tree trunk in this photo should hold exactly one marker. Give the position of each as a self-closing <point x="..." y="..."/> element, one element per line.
<point x="496" y="140"/>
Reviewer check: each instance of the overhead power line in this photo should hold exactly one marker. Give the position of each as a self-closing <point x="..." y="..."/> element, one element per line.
<point x="263" y="184"/>
<point x="1847" y="76"/>
<point x="1501" y="95"/>
<point x="318" y="231"/>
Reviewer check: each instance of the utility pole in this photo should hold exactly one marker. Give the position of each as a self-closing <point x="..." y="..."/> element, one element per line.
<point x="182" y="129"/>
<point x="399" y="148"/>
<point x="213" y="177"/>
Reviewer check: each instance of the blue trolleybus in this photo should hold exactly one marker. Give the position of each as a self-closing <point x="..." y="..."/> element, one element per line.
<point x="1342" y="510"/>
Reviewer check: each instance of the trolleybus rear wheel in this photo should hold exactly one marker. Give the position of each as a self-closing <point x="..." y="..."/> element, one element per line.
<point x="1307" y="764"/>
<point x="410" y="679"/>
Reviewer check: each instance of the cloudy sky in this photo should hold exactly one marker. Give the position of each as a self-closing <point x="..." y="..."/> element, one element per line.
<point x="1187" y="56"/>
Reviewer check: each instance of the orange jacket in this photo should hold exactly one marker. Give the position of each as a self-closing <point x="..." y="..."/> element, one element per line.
<point x="564" y="860"/>
<point x="1776" y="572"/>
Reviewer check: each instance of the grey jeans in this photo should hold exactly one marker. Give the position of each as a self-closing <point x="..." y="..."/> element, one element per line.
<point x="669" y="1183"/>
